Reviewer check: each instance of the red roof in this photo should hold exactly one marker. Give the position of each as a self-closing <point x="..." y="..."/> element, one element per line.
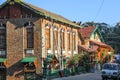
<point x="87" y="31"/>
<point x="102" y="44"/>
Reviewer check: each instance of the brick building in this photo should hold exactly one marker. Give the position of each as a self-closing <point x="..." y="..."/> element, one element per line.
<point x="27" y="35"/>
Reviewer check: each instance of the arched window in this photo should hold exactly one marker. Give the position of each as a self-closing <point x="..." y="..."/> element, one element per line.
<point x="30" y="35"/>
<point x="55" y="36"/>
<point x="2" y="36"/>
<point x="68" y="39"/>
<point x="47" y="31"/>
<point x="74" y="41"/>
<point x="62" y="38"/>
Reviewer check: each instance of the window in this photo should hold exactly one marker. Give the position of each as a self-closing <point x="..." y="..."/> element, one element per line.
<point x="63" y="40"/>
<point x="68" y="37"/>
<point x="48" y="38"/>
<point x="55" y="39"/>
<point x="74" y="41"/>
<point x="30" y="36"/>
<point x="2" y="37"/>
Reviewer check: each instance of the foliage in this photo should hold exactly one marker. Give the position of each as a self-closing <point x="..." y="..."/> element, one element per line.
<point x="13" y="1"/>
<point x="88" y="24"/>
<point x="18" y="0"/>
<point x="75" y="59"/>
<point x="79" y="58"/>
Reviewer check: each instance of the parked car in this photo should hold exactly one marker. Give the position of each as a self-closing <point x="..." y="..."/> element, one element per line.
<point x="111" y="71"/>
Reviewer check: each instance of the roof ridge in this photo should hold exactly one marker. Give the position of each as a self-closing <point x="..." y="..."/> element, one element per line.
<point x="50" y="14"/>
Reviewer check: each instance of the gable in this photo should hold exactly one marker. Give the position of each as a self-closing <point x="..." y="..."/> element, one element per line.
<point x="86" y="31"/>
<point x="95" y="37"/>
<point x="4" y="12"/>
<point x="38" y="11"/>
<point x="15" y="11"/>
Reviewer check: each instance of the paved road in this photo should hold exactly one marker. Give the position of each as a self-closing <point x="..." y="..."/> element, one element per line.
<point x="85" y="76"/>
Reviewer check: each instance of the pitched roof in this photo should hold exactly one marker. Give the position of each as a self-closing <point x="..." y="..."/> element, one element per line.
<point x="87" y="31"/>
<point x="87" y="48"/>
<point x="45" y="13"/>
<point x="102" y="44"/>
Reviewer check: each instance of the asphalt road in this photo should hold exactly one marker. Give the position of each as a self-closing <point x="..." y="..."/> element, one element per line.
<point x="83" y="76"/>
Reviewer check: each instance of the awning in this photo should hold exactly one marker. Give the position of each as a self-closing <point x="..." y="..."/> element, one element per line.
<point x="28" y="59"/>
<point x="2" y="59"/>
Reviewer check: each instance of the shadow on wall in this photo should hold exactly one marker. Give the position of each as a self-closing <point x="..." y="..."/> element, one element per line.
<point x="16" y="69"/>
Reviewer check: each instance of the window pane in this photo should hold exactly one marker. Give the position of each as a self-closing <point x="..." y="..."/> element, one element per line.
<point x="55" y="40"/>
<point x="68" y="39"/>
<point x="30" y="38"/>
<point x="2" y="38"/>
<point x="48" y="38"/>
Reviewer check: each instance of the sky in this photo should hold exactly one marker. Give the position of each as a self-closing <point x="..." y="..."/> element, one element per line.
<point x="107" y="11"/>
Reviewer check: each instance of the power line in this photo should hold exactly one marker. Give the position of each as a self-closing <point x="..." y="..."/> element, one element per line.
<point x="99" y="10"/>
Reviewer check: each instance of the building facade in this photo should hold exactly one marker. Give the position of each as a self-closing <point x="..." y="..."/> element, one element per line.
<point x="93" y="43"/>
<point x="29" y="34"/>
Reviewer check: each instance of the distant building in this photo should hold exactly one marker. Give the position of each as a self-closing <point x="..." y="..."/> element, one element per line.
<point x="93" y="43"/>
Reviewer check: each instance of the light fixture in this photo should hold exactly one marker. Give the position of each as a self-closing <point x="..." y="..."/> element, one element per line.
<point x="47" y="25"/>
<point x="62" y="30"/>
<point x="29" y="25"/>
<point x="55" y="28"/>
<point x="73" y="33"/>
<point x="68" y="31"/>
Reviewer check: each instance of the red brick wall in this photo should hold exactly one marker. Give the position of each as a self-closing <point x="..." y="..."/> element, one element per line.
<point x="16" y="45"/>
<point x="4" y="12"/>
<point x="15" y="11"/>
<point x="14" y="52"/>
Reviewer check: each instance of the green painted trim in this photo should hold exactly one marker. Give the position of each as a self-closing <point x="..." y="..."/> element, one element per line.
<point x="95" y="30"/>
<point x="2" y="59"/>
<point x="45" y="15"/>
<point x="28" y="59"/>
<point x="101" y="37"/>
<point x="48" y="16"/>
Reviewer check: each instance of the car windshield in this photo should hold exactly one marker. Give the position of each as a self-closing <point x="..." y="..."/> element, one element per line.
<point x="110" y="66"/>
